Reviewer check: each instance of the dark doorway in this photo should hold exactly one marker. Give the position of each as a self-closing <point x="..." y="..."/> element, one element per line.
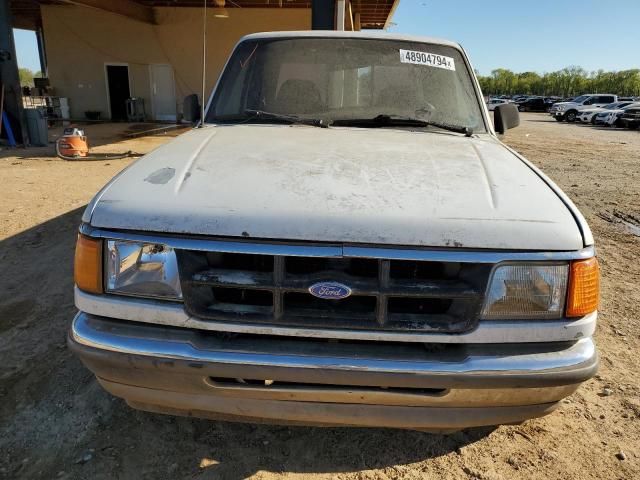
<point x="118" y="85"/>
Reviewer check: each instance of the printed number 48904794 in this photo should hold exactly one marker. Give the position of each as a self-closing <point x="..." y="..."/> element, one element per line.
<point x="424" y="58"/>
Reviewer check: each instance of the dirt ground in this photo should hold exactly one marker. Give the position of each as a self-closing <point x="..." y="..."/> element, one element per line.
<point x="56" y="422"/>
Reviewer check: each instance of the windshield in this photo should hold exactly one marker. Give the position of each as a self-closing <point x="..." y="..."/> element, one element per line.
<point x="341" y="79"/>
<point x="580" y="99"/>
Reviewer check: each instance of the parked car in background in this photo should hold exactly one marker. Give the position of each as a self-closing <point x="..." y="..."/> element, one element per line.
<point x="533" y="104"/>
<point x="611" y="118"/>
<point x="494" y="102"/>
<point x="631" y="118"/>
<point x="550" y="101"/>
<point x="569" y="110"/>
<point x="411" y="272"/>
<point x="588" y="115"/>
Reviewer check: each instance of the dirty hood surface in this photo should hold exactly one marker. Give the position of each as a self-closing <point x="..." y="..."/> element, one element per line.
<point x="351" y="185"/>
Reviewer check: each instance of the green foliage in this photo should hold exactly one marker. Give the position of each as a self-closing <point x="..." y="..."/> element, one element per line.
<point x="26" y="77"/>
<point x="567" y="82"/>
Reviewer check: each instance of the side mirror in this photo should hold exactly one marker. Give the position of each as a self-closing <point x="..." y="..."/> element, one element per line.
<point x="505" y="117"/>
<point x="191" y="108"/>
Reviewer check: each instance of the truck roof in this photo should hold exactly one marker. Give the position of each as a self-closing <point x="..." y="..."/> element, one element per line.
<point x="346" y="34"/>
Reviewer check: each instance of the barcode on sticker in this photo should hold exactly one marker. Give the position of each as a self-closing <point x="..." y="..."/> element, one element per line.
<point x="429" y="59"/>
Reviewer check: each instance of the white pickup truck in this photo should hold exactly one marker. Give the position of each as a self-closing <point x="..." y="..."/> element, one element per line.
<point x="343" y="241"/>
<point x="569" y="111"/>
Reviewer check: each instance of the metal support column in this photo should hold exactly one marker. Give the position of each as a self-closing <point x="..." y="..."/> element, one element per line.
<point x="356" y="22"/>
<point x="322" y="14"/>
<point x="341" y="10"/>
<point x="9" y="76"/>
<point x="42" y="52"/>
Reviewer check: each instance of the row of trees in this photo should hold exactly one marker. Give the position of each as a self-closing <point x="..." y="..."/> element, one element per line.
<point x="567" y="82"/>
<point x="27" y="76"/>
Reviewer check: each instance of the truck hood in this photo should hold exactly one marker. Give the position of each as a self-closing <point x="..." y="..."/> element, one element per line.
<point x="569" y="105"/>
<point x="347" y="185"/>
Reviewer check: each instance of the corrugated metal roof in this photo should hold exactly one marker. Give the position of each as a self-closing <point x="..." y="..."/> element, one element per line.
<point x="374" y="14"/>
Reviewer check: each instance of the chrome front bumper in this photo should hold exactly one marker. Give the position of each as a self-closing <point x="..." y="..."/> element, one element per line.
<point x="306" y="381"/>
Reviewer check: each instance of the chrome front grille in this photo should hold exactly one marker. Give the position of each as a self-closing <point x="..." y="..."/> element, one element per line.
<point x="389" y="295"/>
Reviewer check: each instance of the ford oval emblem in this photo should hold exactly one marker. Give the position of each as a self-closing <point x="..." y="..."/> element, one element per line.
<point x="329" y="290"/>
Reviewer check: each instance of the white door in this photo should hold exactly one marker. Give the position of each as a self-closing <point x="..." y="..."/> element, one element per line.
<point x="163" y="93"/>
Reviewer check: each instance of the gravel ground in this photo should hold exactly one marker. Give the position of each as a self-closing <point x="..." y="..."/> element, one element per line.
<point x="56" y="422"/>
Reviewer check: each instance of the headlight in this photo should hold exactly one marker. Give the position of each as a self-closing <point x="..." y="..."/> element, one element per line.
<point x="142" y="269"/>
<point x="526" y="291"/>
<point x="561" y="108"/>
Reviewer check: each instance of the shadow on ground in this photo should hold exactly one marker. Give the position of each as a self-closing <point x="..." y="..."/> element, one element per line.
<point x="55" y="417"/>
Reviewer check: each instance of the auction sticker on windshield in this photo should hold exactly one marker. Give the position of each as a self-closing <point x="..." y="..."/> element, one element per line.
<point x="429" y="59"/>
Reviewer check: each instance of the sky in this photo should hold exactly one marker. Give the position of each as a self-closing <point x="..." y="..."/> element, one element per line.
<point x="521" y="35"/>
<point x="26" y="49"/>
<point x="531" y="35"/>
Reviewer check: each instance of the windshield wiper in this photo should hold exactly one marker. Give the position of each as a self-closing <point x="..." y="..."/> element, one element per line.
<point x="315" y="122"/>
<point x="385" y="120"/>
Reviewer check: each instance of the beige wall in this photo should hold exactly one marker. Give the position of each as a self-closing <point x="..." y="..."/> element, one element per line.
<point x="80" y="40"/>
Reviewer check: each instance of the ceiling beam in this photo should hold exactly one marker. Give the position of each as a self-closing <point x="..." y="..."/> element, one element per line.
<point x="125" y="8"/>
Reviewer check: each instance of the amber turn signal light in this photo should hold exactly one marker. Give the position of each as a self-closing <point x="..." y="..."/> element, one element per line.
<point x="584" y="287"/>
<point x="87" y="271"/>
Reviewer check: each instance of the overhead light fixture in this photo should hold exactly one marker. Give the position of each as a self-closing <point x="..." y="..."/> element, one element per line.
<point x="219" y="11"/>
